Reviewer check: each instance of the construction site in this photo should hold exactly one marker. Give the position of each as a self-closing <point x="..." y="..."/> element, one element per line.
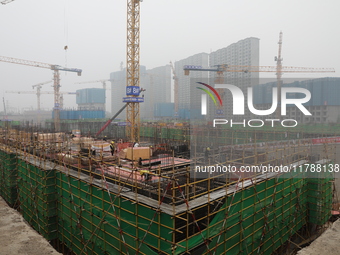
<point x="95" y="203"/>
<point x="91" y="185"/>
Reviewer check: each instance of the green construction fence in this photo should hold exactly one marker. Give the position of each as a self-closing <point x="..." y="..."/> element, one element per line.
<point x="89" y="219"/>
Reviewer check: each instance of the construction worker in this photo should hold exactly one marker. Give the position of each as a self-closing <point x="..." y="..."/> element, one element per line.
<point x="206" y="154"/>
<point x="112" y="147"/>
<point x="140" y="162"/>
<point x="145" y="174"/>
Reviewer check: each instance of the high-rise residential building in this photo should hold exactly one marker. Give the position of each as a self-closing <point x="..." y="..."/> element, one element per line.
<point x="185" y="95"/>
<point x="118" y="83"/>
<point x="91" y="99"/>
<point x="245" y="52"/>
<point x="324" y="105"/>
<point x="118" y="89"/>
<point x="157" y="82"/>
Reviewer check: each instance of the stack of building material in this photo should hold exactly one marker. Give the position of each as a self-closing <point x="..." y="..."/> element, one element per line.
<point x="134" y="153"/>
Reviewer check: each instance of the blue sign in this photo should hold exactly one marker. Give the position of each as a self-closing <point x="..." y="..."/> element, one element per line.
<point x="133" y="99"/>
<point x="192" y="67"/>
<point x="124" y="124"/>
<point x="132" y="90"/>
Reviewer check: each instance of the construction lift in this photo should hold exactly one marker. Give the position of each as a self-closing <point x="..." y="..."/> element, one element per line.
<point x="56" y="79"/>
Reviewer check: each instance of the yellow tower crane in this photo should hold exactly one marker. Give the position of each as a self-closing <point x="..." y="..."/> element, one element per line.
<point x="245" y="69"/>
<point x="61" y="93"/>
<point x="103" y="81"/>
<point x="279" y="69"/>
<point x="6" y="1"/>
<point x="132" y="71"/>
<point x="278" y="60"/>
<point x="39" y="86"/>
<point x="56" y="79"/>
<point x="38" y="93"/>
<point x="133" y="90"/>
<point x="5" y="112"/>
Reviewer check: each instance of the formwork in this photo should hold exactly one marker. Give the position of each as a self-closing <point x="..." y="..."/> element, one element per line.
<point x="93" y="208"/>
<point x="37" y="196"/>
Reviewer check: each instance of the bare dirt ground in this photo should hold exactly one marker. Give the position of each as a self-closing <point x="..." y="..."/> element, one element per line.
<point x="328" y="243"/>
<point x="17" y="237"/>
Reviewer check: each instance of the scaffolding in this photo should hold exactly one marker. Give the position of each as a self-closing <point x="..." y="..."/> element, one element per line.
<point x="93" y="204"/>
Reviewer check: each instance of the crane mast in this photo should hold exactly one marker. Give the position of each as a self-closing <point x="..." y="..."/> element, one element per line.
<point x="175" y="78"/>
<point x="5" y="112"/>
<point x="132" y="69"/>
<point x="38" y="86"/>
<point x="278" y="60"/>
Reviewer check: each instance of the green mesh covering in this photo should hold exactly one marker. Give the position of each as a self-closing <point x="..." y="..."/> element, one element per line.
<point x="91" y="220"/>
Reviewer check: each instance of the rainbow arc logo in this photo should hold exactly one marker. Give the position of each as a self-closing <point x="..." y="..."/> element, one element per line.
<point x="204" y="97"/>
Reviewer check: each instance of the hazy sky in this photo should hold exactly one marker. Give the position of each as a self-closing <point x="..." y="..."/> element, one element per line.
<point x="95" y="33"/>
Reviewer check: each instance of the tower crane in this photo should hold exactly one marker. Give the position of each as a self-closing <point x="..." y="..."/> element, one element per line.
<point x="56" y="79"/>
<point x="278" y="69"/>
<point x="220" y="69"/>
<point x="39" y="86"/>
<point x="132" y="70"/>
<point x="61" y="93"/>
<point x="246" y="69"/>
<point x="5" y="112"/>
<point x="175" y="78"/>
<point x="278" y="60"/>
<point x="103" y="81"/>
<point x="6" y="1"/>
<point x="38" y="93"/>
<point x="133" y="90"/>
